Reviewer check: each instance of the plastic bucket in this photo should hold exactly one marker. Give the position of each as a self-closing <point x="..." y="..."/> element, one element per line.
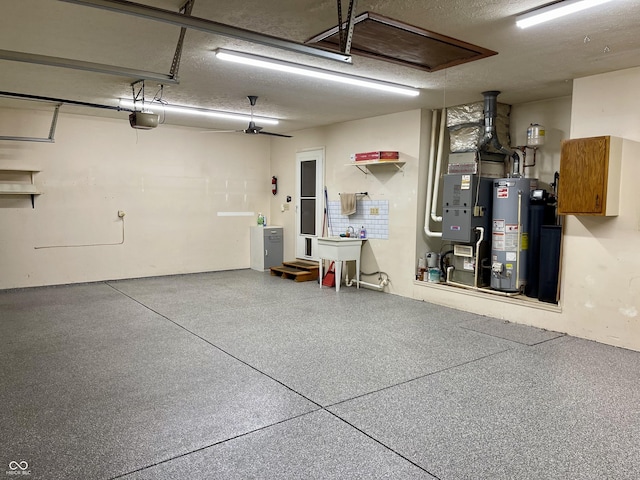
<point x="432" y="259"/>
<point x="434" y="275"/>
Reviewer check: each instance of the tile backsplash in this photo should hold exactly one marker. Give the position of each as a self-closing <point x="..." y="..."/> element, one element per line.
<point x="376" y="224"/>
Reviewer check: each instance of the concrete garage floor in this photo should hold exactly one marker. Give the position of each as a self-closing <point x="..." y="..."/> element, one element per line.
<point x="237" y="375"/>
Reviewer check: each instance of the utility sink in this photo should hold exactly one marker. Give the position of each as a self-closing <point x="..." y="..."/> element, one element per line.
<point x="340" y="249"/>
<point x="341" y="239"/>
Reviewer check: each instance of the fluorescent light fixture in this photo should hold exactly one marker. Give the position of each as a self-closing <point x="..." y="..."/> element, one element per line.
<point x="313" y="72"/>
<point x="159" y="108"/>
<point x="555" y="10"/>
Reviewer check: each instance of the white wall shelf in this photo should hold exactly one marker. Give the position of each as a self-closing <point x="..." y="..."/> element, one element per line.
<point x="18" y="181"/>
<point x="372" y="163"/>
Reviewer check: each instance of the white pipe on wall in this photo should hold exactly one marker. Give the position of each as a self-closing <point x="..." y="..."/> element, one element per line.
<point x="436" y="186"/>
<point x="376" y="286"/>
<point x="478" y="264"/>
<point x="371" y="285"/>
<point x="432" y="153"/>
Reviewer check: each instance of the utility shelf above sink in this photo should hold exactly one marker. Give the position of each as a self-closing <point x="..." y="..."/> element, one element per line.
<point x="367" y="164"/>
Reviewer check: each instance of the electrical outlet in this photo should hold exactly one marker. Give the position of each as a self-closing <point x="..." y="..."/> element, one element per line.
<point x="374" y="211"/>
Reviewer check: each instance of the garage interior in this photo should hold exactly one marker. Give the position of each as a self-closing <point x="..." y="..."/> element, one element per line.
<point x="141" y="342"/>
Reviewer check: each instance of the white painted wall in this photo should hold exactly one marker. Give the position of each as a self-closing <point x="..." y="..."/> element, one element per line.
<point x="603" y="295"/>
<point x="555" y="115"/>
<point x="401" y="132"/>
<point x="171" y="182"/>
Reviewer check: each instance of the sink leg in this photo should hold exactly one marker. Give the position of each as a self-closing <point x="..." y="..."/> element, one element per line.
<point x="338" y="274"/>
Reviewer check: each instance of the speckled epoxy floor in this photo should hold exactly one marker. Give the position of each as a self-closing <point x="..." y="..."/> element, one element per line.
<point x="237" y="375"/>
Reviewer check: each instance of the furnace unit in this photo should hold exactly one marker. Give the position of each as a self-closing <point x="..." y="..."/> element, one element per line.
<point x="466" y="206"/>
<point x="466" y="220"/>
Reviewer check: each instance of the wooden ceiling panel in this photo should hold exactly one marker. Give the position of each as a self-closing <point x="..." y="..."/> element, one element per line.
<point x="390" y="40"/>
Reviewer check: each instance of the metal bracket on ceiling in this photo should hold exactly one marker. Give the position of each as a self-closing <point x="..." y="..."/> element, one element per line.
<point x="209" y="26"/>
<point x="139" y="95"/>
<point x="139" y="98"/>
<point x="346" y="35"/>
<point x="175" y="64"/>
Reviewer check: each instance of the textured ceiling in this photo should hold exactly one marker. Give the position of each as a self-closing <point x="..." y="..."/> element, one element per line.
<point x="532" y="64"/>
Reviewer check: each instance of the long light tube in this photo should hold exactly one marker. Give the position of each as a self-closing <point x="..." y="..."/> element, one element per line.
<point x="156" y="107"/>
<point x="555" y="10"/>
<point x="313" y="72"/>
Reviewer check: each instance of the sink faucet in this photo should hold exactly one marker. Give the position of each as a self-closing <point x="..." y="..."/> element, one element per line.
<point x="351" y="231"/>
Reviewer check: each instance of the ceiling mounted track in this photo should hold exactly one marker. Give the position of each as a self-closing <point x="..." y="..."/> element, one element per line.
<point x="86" y="66"/>
<point x="63" y="101"/>
<point x="54" y="121"/>
<point x="49" y="139"/>
<point x="209" y="26"/>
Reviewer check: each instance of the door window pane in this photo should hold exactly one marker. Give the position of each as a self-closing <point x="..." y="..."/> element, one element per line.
<point x="308" y="178"/>
<point x="308" y="216"/>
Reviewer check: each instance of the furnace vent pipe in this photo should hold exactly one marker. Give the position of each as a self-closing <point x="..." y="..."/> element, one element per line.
<point x="490" y="132"/>
<point x="490" y="115"/>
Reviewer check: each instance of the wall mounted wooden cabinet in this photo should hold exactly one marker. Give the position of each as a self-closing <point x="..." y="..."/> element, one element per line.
<point x="590" y="176"/>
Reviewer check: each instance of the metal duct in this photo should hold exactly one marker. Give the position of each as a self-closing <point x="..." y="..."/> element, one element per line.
<point x="490" y="134"/>
<point x="490" y="114"/>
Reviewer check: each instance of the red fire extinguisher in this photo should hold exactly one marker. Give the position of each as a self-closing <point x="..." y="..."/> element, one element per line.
<point x="274" y="185"/>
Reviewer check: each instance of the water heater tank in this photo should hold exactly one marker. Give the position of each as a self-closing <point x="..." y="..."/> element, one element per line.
<point x="510" y="234"/>
<point x="535" y="135"/>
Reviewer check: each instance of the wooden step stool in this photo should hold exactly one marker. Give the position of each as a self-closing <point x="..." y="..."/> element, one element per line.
<point x="298" y="270"/>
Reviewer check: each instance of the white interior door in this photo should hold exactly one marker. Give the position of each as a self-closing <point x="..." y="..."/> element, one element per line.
<point x="309" y="202"/>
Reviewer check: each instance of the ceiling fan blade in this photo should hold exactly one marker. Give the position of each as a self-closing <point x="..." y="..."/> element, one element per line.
<point x="222" y="131"/>
<point x="252" y="128"/>
<point x="262" y="132"/>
